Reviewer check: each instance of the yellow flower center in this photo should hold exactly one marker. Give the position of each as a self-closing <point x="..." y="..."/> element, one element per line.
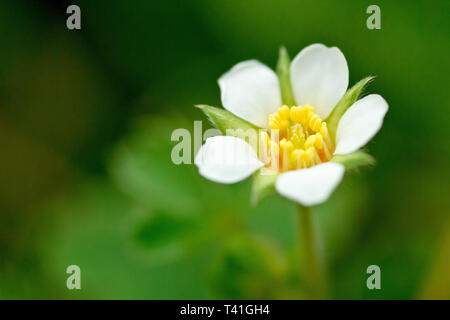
<point x="298" y="139"/>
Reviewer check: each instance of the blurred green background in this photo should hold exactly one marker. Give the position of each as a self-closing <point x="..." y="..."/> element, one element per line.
<point x="86" y="177"/>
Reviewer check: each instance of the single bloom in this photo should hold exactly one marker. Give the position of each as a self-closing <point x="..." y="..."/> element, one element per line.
<point x="296" y="139"/>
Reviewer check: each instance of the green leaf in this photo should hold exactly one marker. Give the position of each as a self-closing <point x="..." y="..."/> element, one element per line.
<point x="161" y="229"/>
<point x="166" y="236"/>
<point x="263" y="184"/>
<point x="242" y="264"/>
<point x="284" y="77"/>
<point x="140" y="165"/>
<point x="223" y="119"/>
<point x="347" y="100"/>
<point x="354" y="160"/>
<point x="96" y="228"/>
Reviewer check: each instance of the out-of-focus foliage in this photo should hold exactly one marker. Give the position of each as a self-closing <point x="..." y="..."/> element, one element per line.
<point x="85" y="124"/>
<point x="238" y="250"/>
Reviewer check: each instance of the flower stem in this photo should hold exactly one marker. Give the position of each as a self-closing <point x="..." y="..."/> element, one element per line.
<point x="312" y="269"/>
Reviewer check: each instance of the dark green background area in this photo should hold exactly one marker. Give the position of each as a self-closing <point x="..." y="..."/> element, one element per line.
<point x="86" y="177"/>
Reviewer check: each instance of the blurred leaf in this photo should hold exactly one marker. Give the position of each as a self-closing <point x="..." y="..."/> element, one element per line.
<point x="162" y="229"/>
<point x="166" y="237"/>
<point x="248" y="267"/>
<point x="93" y="230"/>
<point x="142" y="167"/>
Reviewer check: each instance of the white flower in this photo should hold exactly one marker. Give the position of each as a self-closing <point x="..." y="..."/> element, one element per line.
<point x="319" y="79"/>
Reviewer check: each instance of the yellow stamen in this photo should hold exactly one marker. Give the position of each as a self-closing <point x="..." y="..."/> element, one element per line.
<point x="305" y="141"/>
<point x="284" y="112"/>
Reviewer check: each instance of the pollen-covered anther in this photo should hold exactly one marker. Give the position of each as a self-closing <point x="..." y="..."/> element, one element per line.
<point x="284" y="112"/>
<point x="276" y="121"/>
<point x="305" y="141"/>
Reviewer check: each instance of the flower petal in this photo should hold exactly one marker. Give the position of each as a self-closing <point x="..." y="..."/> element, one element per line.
<point x="360" y="123"/>
<point x="226" y="159"/>
<point x="310" y="186"/>
<point x="251" y="91"/>
<point x="319" y="77"/>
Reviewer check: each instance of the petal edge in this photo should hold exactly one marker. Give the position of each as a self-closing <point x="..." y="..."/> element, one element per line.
<point x="360" y="123"/>
<point x="226" y="159"/>
<point x="310" y="186"/>
<point x="251" y="91"/>
<point x="319" y="77"/>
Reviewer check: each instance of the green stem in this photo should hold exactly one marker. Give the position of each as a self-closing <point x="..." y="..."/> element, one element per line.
<point x="311" y="264"/>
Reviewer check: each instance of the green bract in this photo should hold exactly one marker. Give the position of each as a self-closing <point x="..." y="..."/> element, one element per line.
<point x="354" y="160"/>
<point x="223" y="119"/>
<point x="287" y="96"/>
<point x="263" y="184"/>
<point x="347" y="100"/>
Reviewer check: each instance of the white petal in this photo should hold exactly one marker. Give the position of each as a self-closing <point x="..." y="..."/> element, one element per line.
<point x="251" y="91"/>
<point x="226" y="159"/>
<point x="360" y="123"/>
<point x="319" y="77"/>
<point x="310" y="186"/>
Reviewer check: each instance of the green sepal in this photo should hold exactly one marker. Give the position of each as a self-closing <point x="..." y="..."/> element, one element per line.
<point x="283" y="72"/>
<point x="347" y="100"/>
<point x="354" y="160"/>
<point x="263" y="184"/>
<point x="223" y="119"/>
